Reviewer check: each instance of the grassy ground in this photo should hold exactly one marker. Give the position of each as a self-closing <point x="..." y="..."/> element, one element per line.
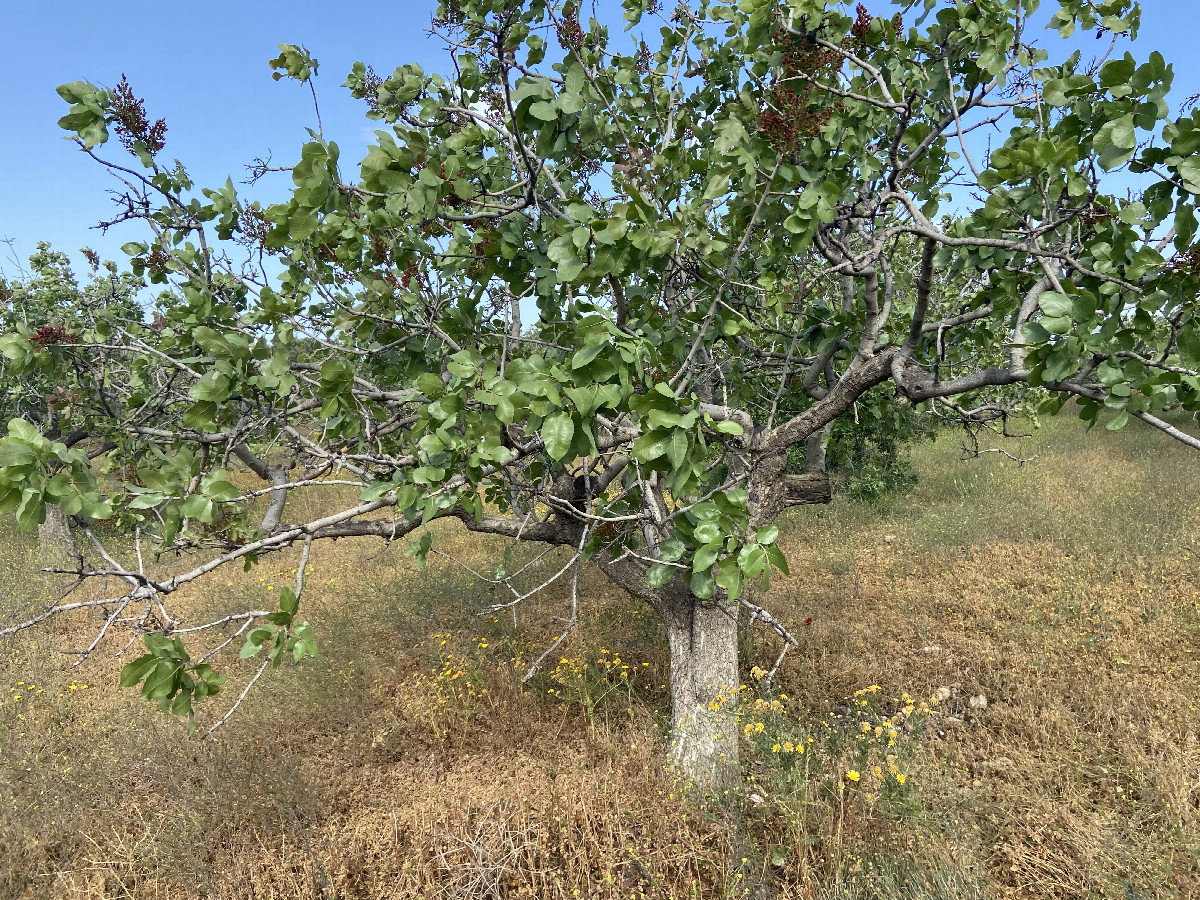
<point x="408" y="762"/>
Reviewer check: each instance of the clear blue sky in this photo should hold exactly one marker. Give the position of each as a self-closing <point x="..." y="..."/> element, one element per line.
<point x="204" y="68"/>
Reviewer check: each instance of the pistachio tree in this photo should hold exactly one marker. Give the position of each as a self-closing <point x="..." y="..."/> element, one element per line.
<point x="593" y="287"/>
<point x="48" y="306"/>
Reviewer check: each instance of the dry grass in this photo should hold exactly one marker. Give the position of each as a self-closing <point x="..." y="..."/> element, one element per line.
<point x="408" y="762"/>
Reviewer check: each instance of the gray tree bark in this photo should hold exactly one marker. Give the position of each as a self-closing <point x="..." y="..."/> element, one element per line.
<point x="56" y="546"/>
<point x="704" y="688"/>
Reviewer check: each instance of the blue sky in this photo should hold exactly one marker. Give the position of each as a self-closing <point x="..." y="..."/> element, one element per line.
<point x="204" y="68"/>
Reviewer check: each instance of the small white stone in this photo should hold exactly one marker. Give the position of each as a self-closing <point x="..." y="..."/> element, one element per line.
<point x="977" y="702"/>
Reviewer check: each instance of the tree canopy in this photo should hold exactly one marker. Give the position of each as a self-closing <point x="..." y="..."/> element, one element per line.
<point x="595" y="289"/>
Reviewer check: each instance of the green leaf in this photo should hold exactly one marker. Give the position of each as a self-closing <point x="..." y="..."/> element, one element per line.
<point x="1055" y="304"/>
<point x="557" y="432"/>
<point x="197" y="506"/>
<point x="730" y="579"/>
<point x="651" y="445"/>
<point x="293" y="62"/>
<point x="701" y="585"/>
<point x="23" y="431"/>
<point x="658" y="575"/>
<point x="1185" y="227"/>
<point x="1116" y="141"/>
<point x="15" y="454"/>
<point x="77" y="91"/>
<point x="31" y="512"/>
<point x="677" y="448"/>
<point x="1034" y="333"/>
<point x="288" y="601"/>
<point x="430" y="385"/>
<point x="134" y="672"/>
<point x="221" y="490"/>
<point x="200" y="415"/>
<point x="93" y="134"/>
<point x="160" y="683"/>
<point x="671" y="550"/>
<point x="767" y="534"/>
<point x="9" y="498"/>
<point x="1189" y="174"/>
<point x="705" y="556"/>
<point x="778" y="560"/>
<point x="585" y="355"/>
<point x="1188" y="341"/>
<point x="752" y="559"/>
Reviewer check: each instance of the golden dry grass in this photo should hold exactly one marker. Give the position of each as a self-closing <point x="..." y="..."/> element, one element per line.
<point x="408" y="762"/>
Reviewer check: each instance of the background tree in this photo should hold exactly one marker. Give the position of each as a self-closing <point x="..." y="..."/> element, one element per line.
<point x="47" y="305"/>
<point x="733" y="240"/>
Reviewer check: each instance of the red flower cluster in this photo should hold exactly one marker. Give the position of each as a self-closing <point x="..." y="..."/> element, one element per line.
<point x="132" y="124"/>
<point x="52" y="334"/>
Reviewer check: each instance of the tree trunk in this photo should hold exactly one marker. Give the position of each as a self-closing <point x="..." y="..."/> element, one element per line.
<point x="55" y="544"/>
<point x="704" y="692"/>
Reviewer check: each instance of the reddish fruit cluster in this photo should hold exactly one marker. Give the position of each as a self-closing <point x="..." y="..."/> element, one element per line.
<point x="788" y="121"/>
<point x="132" y="124"/>
<point x="1187" y="262"/>
<point x="52" y="334"/>
<point x="789" y="114"/>
<point x="794" y="110"/>
<point x="253" y="229"/>
<point x="380" y="250"/>
<point x="644" y="58"/>
<point x="1094" y="215"/>
<point x="570" y="33"/>
<point x="157" y="260"/>
<point x="60" y="397"/>
<point x="862" y="23"/>
<point x="410" y="272"/>
<point x="369" y="90"/>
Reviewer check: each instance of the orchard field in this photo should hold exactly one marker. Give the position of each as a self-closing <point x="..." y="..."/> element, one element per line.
<point x="971" y="714"/>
